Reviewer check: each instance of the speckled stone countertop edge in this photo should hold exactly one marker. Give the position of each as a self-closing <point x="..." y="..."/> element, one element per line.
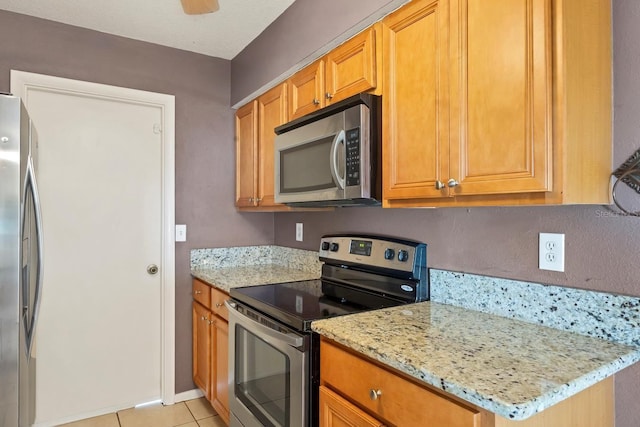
<point x="510" y="410"/>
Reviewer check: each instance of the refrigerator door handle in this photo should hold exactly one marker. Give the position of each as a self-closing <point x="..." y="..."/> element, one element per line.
<point x="31" y="184"/>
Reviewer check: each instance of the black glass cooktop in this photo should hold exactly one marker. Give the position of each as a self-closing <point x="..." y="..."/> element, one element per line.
<point x="297" y="304"/>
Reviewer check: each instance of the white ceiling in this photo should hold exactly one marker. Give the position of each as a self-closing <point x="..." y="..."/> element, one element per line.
<point x="222" y="34"/>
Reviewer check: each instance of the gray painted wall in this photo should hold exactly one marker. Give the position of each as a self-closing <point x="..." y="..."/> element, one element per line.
<point x="601" y="249"/>
<point x="205" y="159"/>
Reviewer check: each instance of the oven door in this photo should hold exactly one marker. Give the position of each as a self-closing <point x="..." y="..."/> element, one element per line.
<point x="268" y="371"/>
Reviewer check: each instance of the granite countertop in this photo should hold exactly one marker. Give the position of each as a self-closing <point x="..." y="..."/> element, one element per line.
<point x="226" y="278"/>
<point x="234" y="267"/>
<point x="510" y="367"/>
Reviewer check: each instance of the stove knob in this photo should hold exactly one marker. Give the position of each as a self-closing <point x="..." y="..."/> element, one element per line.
<point x="403" y="256"/>
<point x="389" y="254"/>
<point x="334" y="247"/>
<point x="325" y="246"/>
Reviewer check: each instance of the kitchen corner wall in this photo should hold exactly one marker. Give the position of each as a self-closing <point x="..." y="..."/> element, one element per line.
<point x="205" y="159"/>
<point x="602" y="249"/>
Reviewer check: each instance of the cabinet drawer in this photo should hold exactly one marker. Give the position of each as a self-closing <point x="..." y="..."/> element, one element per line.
<point x="218" y="298"/>
<point x="202" y="293"/>
<point x="400" y="401"/>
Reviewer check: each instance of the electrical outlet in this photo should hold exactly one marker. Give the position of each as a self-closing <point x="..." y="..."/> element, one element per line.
<point x="299" y="231"/>
<point x="551" y="252"/>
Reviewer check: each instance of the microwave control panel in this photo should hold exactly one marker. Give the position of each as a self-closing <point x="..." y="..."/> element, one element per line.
<point x="352" y="145"/>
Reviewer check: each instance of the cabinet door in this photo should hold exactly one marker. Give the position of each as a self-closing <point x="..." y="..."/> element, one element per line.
<point x="415" y="102"/>
<point x="246" y="155"/>
<point x="202" y="348"/>
<point x="220" y="384"/>
<point x="351" y="67"/>
<point x="501" y="100"/>
<point x="306" y="90"/>
<point x="272" y="112"/>
<point x="337" y="412"/>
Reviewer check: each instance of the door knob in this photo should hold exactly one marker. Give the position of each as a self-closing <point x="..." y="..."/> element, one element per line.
<point x="152" y="269"/>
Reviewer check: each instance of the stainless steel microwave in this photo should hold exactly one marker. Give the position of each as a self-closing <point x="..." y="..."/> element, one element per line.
<point x="331" y="157"/>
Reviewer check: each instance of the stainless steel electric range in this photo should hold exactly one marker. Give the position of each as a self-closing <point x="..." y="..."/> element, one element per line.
<point x="273" y="354"/>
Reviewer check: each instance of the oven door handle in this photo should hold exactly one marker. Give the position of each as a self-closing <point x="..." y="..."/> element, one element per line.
<point x="293" y="341"/>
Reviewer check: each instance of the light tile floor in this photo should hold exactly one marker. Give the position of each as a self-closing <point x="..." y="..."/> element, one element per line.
<point x="193" y="413"/>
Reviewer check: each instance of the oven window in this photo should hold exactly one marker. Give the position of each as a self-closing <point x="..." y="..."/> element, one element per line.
<point x="307" y="167"/>
<point x="262" y="379"/>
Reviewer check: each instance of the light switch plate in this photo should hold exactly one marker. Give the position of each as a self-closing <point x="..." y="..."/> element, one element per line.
<point x="181" y="232"/>
<point x="298" y="231"/>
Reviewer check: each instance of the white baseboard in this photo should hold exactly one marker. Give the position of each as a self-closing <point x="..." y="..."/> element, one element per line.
<point x="189" y="395"/>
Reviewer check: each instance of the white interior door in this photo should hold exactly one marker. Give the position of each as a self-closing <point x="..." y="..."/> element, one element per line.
<point x="99" y="338"/>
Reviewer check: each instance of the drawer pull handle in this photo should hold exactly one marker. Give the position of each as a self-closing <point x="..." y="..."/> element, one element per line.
<point x="375" y="394"/>
<point x="197" y="292"/>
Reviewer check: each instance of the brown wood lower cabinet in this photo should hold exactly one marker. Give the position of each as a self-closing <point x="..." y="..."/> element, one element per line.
<point x="358" y="391"/>
<point x="220" y="375"/>
<point x="210" y="346"/>
<point x="337" y="412"/>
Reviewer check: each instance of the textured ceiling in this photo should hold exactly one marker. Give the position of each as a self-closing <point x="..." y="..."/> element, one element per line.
<point x="222" y="34"/>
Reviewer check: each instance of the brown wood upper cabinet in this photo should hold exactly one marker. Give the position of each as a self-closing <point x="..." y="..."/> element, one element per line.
<point x="255" y="176"/>
<point x="345" y="71"/>
<point x="496" y="102"/>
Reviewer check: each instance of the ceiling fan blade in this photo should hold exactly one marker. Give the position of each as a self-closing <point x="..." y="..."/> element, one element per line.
<point x="198" y="7"/>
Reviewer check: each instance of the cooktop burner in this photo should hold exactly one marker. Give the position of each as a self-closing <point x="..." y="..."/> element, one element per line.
<point x="297" y="304"/>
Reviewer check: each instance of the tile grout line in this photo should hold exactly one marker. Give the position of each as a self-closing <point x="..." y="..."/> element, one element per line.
<point x="191" y="412"/>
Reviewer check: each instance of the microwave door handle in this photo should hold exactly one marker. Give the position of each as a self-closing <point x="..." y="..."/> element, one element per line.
<point x="333" y="160"/>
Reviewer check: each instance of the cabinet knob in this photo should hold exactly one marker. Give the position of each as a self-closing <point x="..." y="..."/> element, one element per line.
<point x="219" y="304"/>
<point x="316" y="102"/>
<point x="197" y="292"/>
<point x="203" y="318"/>
<point x="439" y="185"/>
<point x="328" y="95"/>
<point x="258" y="200"/>
<point x="375" y="394"/>
<point x="452" y="183"/>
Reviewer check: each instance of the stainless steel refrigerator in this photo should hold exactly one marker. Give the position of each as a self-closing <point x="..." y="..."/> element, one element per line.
<point x="20" y="263"/>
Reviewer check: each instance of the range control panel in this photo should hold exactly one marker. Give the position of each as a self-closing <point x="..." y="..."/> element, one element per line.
<point x="374" y="251"/>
